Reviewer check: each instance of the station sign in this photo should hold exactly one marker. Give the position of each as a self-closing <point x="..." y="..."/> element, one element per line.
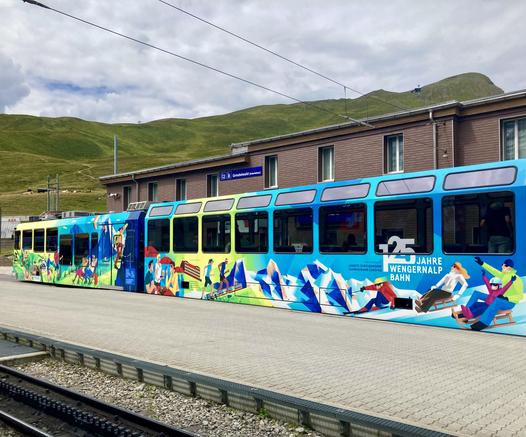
<point x="241" y="173"/>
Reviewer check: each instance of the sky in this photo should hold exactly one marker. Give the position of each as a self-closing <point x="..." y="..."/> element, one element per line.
<point x="51" y="65"/>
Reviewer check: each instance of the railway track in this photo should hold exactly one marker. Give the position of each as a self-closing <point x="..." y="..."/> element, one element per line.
<point x="39" y="408"/>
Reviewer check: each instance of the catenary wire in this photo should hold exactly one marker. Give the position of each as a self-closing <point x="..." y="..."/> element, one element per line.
<point x="272" y="52"/>
<point x="201" y="64"/>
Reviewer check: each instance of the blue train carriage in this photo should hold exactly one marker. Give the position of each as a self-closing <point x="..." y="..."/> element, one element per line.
<point x="100" y="251"/>
<point x="442" y="248"/>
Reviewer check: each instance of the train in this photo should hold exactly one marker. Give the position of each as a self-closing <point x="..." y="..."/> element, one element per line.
<point x="441" y="247"/>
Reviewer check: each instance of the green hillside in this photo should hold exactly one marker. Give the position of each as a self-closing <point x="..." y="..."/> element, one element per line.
<point x="80" y="151"/>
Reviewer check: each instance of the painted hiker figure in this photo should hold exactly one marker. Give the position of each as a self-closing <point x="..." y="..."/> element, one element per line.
<point x="208" y="281"/>
<point x="223" y="281"/>
<point x="507" y="301"/>
<point x="385" y="295"/>
<point x="479" y="302"/>
<point x="444" y="289"/>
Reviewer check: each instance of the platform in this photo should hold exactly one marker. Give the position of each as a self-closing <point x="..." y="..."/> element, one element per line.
<point x="460" y="382"/>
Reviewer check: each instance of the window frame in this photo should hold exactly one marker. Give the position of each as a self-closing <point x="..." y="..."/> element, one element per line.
<point x="156" y="185"/>
<point x="126" y="188"/>
<point x="178" y="218"/>
<point x="23" y="245"/>
<point x="478" y="187"/>
<point x="148" y="240"/>
<point x="87" y="237"/>
<point x="247" y="212"/>
<point x="321" y="162"/>
<point x="60" y="238"/>
<point x="513" y="221"/>
<point x="56" y="242"/>
<point x="43" y="247"/>
<point x="268" y="186"/>
<point x="335" y="205"/>
<point x="18" y="239"/>
<point x="178" y="183"/>
<point x="515" y="139"/>
<point x="399" y="166"/>
<point x="431" y="207"/>
<point x="203" y="236"/>
<point x="291" y="208"/>
<point x="209" y="177"/>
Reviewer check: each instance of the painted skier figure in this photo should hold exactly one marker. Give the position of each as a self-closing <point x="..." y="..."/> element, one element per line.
<point x="385" y="295"/>
<point x="506" y="301"/>
<point x="445" y="288"/>
<point x="479" y="302"/>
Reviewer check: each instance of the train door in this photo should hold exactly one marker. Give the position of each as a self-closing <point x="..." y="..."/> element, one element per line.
<point x="105" y="255"/>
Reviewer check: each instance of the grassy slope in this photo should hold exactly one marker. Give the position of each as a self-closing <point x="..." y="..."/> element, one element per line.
<point x="81" y="151"/>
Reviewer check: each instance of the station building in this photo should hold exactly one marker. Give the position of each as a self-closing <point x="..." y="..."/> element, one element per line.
<point x="439" y="136"/>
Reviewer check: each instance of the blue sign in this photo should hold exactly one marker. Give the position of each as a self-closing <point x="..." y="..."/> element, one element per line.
<point x="241" y="173"/>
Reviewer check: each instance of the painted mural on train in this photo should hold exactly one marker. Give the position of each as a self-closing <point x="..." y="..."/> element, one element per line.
<point x="85" y="252"/>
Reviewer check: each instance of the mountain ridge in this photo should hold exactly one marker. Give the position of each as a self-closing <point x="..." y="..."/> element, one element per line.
<point x="33" y="147"/>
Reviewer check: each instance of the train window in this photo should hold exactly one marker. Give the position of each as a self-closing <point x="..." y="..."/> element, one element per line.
<point x="17" y="240"/>
<point x="404" y="226"/>
<point x="188" y="208"/>
<point x="343" y="228"/>
<point x="293" y="230"/>
<point x="252" y="232"/>
<point x="158" y="211"/>
<point x="51" y="240"/>
<point x="66" y="249"/>
<point x="480" y="178"/>
<point x="219" y="205"/>
<point x="39" y="240"/>
<point x="159" y="234"/>
<point x="479" y="223"/>
<point x="81" y="249"/>
<point x="27" y="239"/>
<point x="185" y="231"/>
<point x="254" y="202"/>
<point x="406" y="186"/>
<point x="356" y="191"/>
<point x="216" y="233"/>
<point x="295" y="197"/>
<point x="94" y="244"/>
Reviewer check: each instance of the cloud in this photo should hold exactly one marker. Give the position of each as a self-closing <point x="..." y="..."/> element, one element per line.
<point x="13" y="87"/>
<point x="72" y="69"/>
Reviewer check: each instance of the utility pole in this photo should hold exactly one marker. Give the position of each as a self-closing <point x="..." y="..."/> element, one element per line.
<point x="115" y="154"/>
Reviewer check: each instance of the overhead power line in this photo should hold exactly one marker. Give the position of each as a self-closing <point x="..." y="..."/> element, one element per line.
<point x="201" y="64"/>
<point x="272" y="52"/>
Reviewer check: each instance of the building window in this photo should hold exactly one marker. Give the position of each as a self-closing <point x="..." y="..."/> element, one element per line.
<point x="326" y="164"/>
<point x="394" y="154"/>
<point x="514" y="139"/>
<point x="212" y="185"/>
<point x="180" y="189"/>
<point x="271" y="171"/>
<point x="126" y="196"/>
<point x="152" y="192"/>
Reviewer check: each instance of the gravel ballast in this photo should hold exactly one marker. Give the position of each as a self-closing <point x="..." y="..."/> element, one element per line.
<point x="197" y="415"/>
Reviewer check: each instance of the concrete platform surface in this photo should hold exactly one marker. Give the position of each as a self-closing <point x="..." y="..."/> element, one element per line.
<point x="461" y="382"/>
